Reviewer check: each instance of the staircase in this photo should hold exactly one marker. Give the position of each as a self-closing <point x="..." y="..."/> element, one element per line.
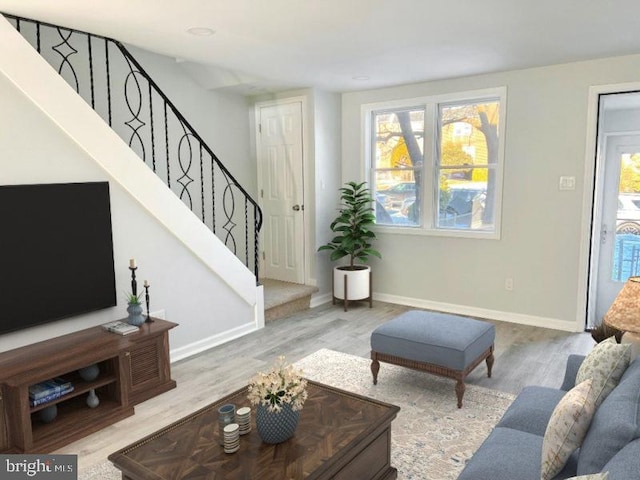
<point x="104" y="73"/>
<point x="283" y="299"/>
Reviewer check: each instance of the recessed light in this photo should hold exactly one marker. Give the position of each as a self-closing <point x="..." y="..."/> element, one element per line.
<point x="201" y="31"/>
<point x="361" y="78"/>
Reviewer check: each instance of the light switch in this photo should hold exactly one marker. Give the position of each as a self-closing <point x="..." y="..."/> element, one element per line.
<point x="567" y="183"/>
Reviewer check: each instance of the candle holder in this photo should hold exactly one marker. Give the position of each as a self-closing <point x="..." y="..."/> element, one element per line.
<point x="146" y="298"/>
<point x="134" y="284"/>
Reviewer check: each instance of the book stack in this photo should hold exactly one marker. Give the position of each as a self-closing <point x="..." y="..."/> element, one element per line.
<point x="121" y="328"/>
<point x="48" y="390"/>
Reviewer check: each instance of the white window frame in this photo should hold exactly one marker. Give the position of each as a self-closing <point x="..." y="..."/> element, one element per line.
<point x="428" y="223"/>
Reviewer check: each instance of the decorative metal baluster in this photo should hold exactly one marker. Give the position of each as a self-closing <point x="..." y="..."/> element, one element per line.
<point x="185" y="180"/>
<point x="257" y="218"/>
<point x="202" y="185"/>
<point x="93" y="96"/>
<point x="229" y="207"/>
<point x="153" y="141"/>
<point x="65" y="57"/>
<point x="246" y="232"/>
<point x="106" y="52"/>
<point x="213" y="195"/>
<point x="166" y="142"/>
<point x="134" y="123"/>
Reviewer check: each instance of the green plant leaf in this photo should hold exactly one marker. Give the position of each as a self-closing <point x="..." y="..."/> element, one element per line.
<point x="355" y="217"/>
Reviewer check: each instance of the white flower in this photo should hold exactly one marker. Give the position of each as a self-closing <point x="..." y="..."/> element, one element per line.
<point x="283" y="384"/>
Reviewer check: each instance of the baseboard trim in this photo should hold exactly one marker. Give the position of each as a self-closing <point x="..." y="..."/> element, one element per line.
<point x="317" y="300"/>
<point x="212" y="341"/>
<point x="519" y="318"/>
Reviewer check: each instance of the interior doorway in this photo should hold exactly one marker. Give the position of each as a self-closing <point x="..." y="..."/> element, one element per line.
<point x="615" y="246"/>
<point x="281" y="186"/>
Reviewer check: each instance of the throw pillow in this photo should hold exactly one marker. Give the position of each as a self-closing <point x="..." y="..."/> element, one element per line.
<point x="567" y="427"/>
<point x="605" y="364"/>
<point x="595" y="476"/>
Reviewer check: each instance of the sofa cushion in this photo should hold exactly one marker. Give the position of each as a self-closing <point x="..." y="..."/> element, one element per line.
<point x="632" y="370"/>
<point x="504" y="455"/>
<point x="574" y="362"/>
<point x="508" y="454"/>
<point x="605" y="364"/>
<point x="614" y="425"/>
<point x="625" y="465"/>
<point x="531" y="410"/>
<point x="567" y="428"/>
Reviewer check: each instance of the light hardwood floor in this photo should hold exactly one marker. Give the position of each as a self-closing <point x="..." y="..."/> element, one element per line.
<point x="524" y="356"/>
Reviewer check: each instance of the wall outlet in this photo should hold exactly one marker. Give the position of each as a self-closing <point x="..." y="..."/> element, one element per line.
<point x="567" y="183"/>
<point x="158" y="314"/>
<point x="508" y="284"/>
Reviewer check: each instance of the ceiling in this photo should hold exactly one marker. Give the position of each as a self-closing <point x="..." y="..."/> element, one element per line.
<point x="266" y="46"/>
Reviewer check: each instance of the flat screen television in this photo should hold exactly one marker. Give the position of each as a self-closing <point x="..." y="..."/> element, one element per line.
<point x="56" y="252"/>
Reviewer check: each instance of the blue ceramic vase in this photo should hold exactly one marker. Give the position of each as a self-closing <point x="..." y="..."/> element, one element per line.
<point x="276" y="427"/>
<point x="135" y="315"/>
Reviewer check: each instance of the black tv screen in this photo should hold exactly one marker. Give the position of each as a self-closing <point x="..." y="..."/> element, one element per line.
<point x="56" y="252"/>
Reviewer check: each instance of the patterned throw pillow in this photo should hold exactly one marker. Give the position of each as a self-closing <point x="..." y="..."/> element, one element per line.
<point x="605" y="364"/>
<point x="595" y="476"/>
<point x="567" y="427"/>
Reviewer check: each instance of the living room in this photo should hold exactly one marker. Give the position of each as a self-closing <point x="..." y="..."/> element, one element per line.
<point x="544" y="237"/>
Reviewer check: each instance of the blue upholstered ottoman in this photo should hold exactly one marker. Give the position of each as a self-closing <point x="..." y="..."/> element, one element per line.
<point x="438" y="343"/>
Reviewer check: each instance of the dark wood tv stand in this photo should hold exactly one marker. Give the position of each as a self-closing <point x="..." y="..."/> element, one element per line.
<point x="133" y="368"/>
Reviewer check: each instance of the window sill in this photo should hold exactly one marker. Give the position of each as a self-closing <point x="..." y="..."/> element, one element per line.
<point x="437" y="232"/>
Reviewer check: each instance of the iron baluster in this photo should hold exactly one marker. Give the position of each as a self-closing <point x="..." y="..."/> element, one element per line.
<point x="106" y="53"/>
<point x="153" y="141"/>
<point x="93" y="96"/>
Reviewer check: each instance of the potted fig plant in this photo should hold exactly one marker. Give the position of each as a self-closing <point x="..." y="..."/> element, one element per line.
<point x="353" y="240"/>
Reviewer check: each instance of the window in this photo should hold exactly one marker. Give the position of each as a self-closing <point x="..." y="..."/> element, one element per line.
<point x="436" y="165"/>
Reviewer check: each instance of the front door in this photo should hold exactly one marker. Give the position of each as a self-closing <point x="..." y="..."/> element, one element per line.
<point x="619" y="252"/>
<point x="281" y="190"/>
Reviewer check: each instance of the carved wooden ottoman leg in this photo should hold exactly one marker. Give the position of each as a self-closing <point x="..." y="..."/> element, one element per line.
<point x="375" y="368"/>
<point x="490" y="360"/>
<point x="460" y="387"/>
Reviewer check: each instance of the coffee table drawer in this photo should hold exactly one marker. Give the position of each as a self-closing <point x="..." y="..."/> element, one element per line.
<point x="372" y="462"/>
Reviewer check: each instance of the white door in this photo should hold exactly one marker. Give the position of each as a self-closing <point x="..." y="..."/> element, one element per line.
<point x="281" y="191"/>
<point x="619" y="252"/>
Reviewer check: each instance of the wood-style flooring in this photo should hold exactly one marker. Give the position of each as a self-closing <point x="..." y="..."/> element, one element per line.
<point x="524" y="355"/>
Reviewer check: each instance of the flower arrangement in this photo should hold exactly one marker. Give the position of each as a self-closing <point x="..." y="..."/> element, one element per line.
<point x="283" y="384"/>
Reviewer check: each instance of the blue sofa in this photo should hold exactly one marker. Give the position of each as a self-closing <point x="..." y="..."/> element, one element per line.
<point x="513" y="450"/>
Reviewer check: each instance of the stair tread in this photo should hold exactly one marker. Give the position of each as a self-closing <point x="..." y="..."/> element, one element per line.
<point x="277" y="292"/>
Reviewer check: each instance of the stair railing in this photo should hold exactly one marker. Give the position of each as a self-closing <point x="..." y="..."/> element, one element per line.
<point x="105" y="74"/>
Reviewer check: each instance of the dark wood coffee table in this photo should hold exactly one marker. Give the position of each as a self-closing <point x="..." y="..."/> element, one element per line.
<point x="340" y="435"/>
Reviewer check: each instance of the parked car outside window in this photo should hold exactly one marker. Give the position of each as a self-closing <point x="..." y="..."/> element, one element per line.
<point x="466" y="204"/>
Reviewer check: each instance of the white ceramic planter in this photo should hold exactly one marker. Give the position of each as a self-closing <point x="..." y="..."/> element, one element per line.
<point x="357" y="283"/>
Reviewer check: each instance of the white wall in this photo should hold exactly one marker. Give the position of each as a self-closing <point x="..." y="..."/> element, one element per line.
<point x="327" y="181"/>
<point x="47" y="134"/>
<point x="541" y="225"/>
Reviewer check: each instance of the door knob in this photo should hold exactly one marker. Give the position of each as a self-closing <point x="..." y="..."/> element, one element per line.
<point x="603" y="234"/>
<point x="296" y="208"/>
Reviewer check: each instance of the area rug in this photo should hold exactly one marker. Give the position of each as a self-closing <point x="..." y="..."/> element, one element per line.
<point x="431" y="438"/>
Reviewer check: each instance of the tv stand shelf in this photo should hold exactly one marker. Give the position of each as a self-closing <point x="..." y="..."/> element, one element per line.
<point x="133" y="368"/>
